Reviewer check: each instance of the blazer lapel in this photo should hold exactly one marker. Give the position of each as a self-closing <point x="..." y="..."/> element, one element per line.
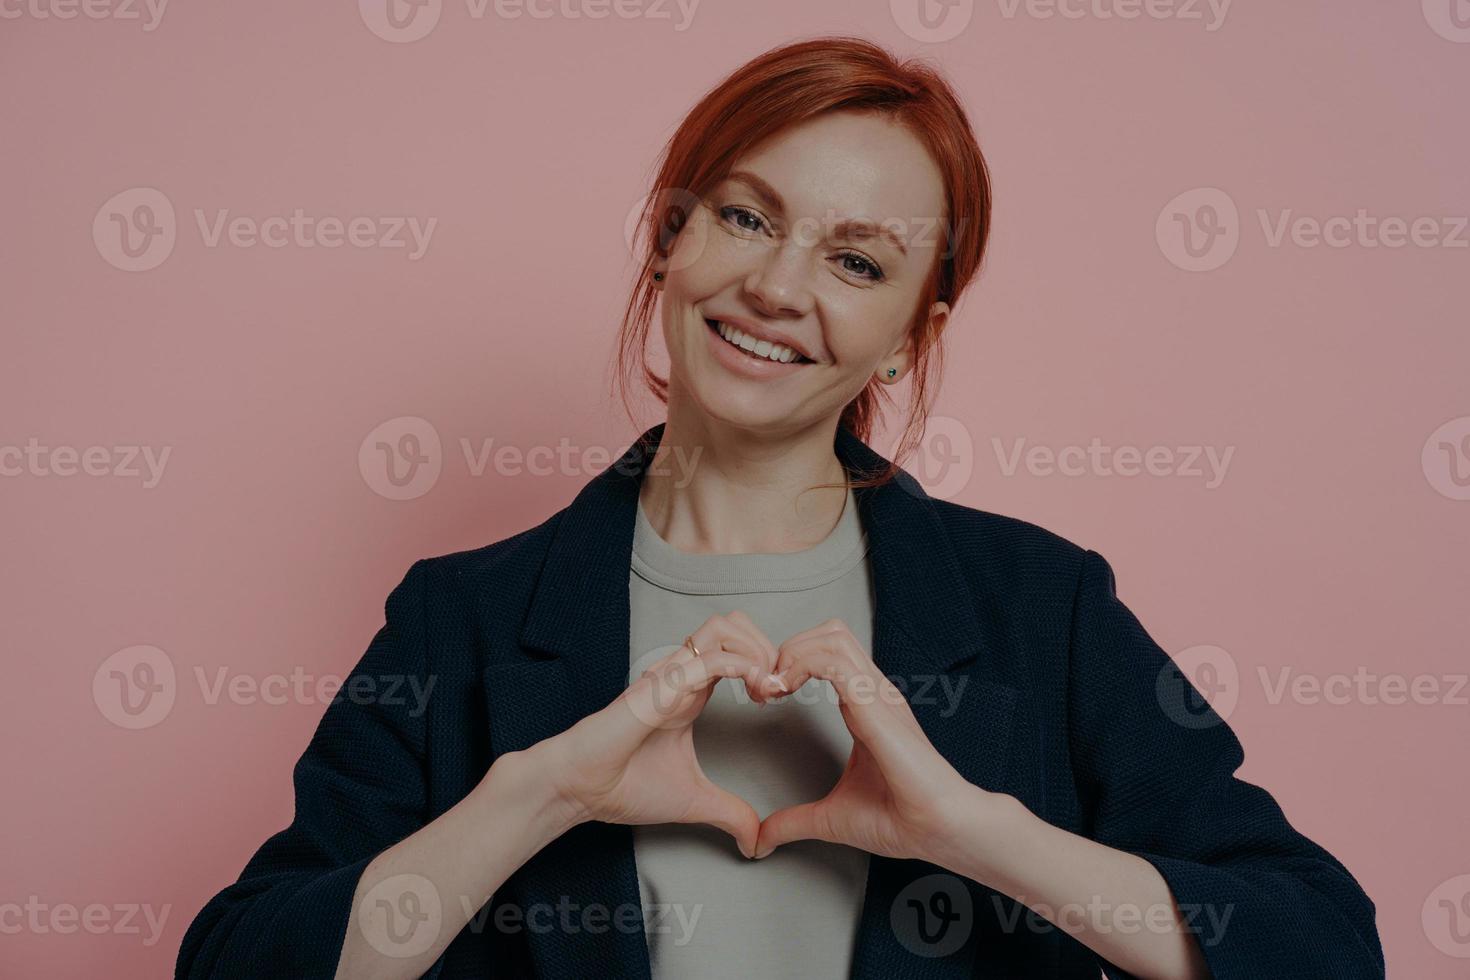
<point x="575" y="638"/>
<point x="576" y="661"/>
<point x="917" y="919"/>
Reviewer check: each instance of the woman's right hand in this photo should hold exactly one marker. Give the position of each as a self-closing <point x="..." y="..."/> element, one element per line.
<point x="633" y="762"/>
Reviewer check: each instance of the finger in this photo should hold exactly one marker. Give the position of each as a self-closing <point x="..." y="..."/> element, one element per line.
<point x="678" y="653"/>
<point x="666" y="692"/>
<point x="805" y="821"/>
<point x="718" y="807"/>
<point x="803" y="665"/>
<point x="836" y="647"/>
<point x="696" y="674"/>
<point x="766" y="686"/>
<point x="720" y="633"/>
<point x="683" y="653"/>
<point x="671" y="697"/>
<point x="825" y="628"/>
<point x="870" y="703"/>
<point x="741" y="619"/>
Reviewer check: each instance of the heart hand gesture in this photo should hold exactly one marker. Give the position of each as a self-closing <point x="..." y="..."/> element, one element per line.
<point x="633" y="762"/>
<point x="896" y="793"/>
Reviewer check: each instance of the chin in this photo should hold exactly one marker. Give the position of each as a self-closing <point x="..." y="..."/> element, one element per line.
<point x="749" y="409"/>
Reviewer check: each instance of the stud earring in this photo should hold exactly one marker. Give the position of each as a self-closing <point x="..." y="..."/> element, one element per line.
<point x="892" y="372"/>
<point x="658" y="277"/>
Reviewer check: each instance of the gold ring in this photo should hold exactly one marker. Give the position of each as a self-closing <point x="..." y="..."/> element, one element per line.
<point x="689" y="641"/>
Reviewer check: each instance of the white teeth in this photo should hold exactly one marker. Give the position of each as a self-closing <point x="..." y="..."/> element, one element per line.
<point x="757" y="348"/>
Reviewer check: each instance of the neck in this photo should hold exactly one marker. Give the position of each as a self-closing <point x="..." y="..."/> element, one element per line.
<point x="715" y="489"/>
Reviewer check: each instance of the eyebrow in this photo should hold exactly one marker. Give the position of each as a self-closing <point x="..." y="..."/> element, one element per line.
<point x="848" y="228"/>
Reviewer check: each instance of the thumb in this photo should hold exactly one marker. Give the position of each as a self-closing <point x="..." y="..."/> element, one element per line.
<point x="803" y="821"/>
<point x="721" y="808"/>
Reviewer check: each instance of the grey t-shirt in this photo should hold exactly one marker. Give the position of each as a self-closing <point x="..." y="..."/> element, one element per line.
<point x="709" y="911"/>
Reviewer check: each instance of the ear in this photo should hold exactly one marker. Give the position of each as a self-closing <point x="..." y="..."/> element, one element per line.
<point x="902" y="356"/>
<point x="938" y="318"/>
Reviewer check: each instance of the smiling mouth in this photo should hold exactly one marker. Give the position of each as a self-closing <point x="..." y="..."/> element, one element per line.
<point x="747" y="345"/>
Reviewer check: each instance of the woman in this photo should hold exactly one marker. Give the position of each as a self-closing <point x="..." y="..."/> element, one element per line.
<point x="754" y="704"/>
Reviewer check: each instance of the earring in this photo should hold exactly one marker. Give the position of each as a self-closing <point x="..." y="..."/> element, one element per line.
<point x="892" y="372"/>
<point x="658" y="277"/>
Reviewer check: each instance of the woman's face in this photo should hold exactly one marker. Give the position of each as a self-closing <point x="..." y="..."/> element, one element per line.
<point x="822" y="238"/>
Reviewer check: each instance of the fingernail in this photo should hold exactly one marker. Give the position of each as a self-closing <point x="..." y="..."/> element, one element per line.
<point x="780" y="683"/>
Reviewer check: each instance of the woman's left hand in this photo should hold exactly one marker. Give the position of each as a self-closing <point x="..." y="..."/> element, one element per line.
<point x="897" y="796"/>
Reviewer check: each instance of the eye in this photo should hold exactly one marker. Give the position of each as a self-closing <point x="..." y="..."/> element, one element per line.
<point x="861" y="266"/>
<point x="737" y="215"/>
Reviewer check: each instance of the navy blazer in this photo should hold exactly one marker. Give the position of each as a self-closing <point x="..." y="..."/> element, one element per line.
<point x="1068" y="705"/>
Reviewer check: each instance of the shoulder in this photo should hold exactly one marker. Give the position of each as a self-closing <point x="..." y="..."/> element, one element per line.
<point x="984" y="532"/>
<point x="1009" y="557"/>
<point x="505" y="568"/>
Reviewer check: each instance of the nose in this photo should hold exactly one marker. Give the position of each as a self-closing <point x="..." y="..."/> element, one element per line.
<point x="777" y="285"/>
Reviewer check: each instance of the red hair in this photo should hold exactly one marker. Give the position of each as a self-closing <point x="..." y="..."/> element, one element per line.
<point x="781" y="88"/>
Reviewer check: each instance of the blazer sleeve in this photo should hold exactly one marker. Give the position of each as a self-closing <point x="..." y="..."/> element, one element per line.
<point x="360" y="788"/>
<point x="1155" y="769"/>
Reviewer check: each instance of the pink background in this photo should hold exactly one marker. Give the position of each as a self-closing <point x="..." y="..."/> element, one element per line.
<point x="1334" y="543"/>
